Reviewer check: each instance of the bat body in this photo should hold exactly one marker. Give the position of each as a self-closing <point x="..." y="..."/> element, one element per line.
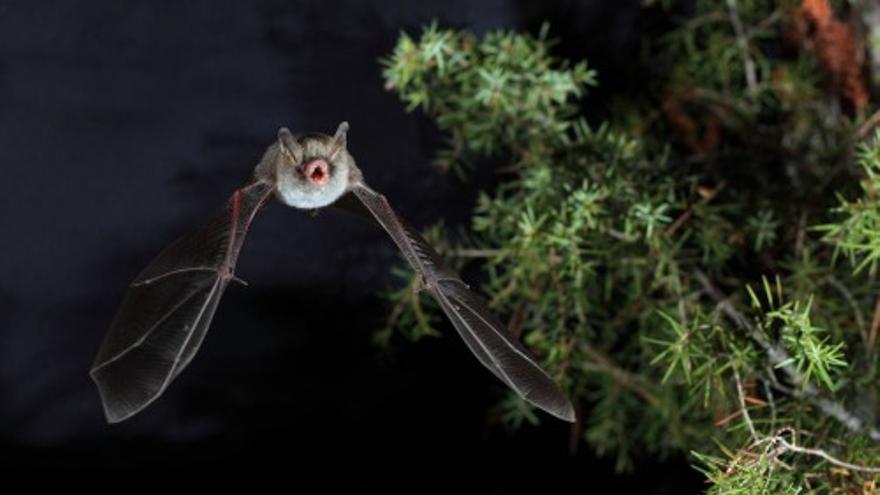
<point x="168" y="309"/>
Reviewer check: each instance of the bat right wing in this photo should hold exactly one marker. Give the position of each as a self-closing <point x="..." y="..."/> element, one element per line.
<point x="168" y="308"/>
<point x="482" y="332"/>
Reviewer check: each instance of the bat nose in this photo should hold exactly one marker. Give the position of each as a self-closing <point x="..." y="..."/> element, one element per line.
<point x="316" y="172"/>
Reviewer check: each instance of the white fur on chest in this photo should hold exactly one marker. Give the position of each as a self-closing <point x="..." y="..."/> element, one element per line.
<point x="306" y="196"/>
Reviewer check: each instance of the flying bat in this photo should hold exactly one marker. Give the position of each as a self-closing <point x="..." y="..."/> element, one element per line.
<point x="167" y="310"/>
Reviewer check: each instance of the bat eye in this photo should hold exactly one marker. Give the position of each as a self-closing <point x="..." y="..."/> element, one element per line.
<point x="316" y="172"/>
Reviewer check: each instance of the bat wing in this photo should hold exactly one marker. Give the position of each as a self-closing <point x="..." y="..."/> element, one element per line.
<point x="483" y="333"/>
<point x="167" y="310"/>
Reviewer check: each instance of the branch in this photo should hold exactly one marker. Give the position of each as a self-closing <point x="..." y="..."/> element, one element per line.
<point x="778" y="357"/>
<point x="871" y="340"/>
<point x="742" y="406"/>
<point x="857" y="312"/>
<point x="768" y="391"/>
<point x="776" y="444"/>
<point x="868" y="126"/>
<point x="602" y="363"/>
<point x="825" y="455"/>
<point x="743" y="43"/>
<point x="476" y="253"/>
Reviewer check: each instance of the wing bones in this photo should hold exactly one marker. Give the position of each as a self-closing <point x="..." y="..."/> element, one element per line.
<point x="168" y="308"/>
<point x="486" y="337"/>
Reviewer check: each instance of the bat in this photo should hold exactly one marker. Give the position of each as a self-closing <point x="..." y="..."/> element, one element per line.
<point x="166" y="311"/>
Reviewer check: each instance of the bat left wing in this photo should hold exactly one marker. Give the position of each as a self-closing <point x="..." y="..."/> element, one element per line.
<point x="167" y="310"/>
<point x="482" y="332"/>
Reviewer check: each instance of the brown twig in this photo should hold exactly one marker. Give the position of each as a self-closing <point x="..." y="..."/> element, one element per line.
<point x="600" y="362"/>
<point x="707" y="195"/>
<point x="868" y="125"/>
<point x="837" y="49"/>
<point x="684" y="217"/>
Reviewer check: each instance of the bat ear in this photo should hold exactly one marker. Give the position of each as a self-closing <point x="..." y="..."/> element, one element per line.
<point x="287" y="141"/>
<point x="284" y="134"/>
<point x="341" y="135"/>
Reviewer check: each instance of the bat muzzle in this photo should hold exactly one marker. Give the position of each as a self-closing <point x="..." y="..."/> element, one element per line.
<point x="317" y="172"/>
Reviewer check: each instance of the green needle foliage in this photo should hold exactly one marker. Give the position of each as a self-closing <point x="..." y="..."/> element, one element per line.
<point x="698" y="271"/>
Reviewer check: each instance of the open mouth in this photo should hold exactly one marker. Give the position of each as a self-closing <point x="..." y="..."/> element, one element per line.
<point x="317" y="172"/>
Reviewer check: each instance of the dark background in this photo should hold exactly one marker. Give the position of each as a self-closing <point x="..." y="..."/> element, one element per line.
<point x="124" y="124"/>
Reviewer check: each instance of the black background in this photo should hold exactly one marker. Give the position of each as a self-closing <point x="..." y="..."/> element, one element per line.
<point x="123" y="124"/>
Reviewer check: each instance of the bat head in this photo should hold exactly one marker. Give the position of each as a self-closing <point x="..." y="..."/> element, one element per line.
<point x="310" y="170"/>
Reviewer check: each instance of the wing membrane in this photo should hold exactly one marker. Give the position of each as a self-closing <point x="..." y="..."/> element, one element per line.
<point x="484" y="335"/>
<point x="168" y="309"/>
